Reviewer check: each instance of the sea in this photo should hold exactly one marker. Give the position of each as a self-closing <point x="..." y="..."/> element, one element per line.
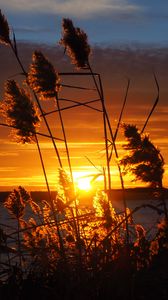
<point x="147" y="209"/>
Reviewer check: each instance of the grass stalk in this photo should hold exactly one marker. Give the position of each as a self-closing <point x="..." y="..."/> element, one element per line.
<point x="154" y="105"/>
<point x="101" y="95"/>
<point x="70" y="167"/>
<point x="19" y="244"/>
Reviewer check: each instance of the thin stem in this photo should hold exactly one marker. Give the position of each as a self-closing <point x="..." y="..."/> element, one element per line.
<point x="120" y="117"/>
<point x="119" y="169"/>
<point x="106" y="118"/>
<point x="164" y="202"/>
<point x="19" y="244"/>
<point x="64" y="136"/>
<point x="34" y="132"/>
<point x="72" y="106"/>
<point x="70" y="167"/>
<point x="122" y="110"/>
<point x="154" y="105"/>
<point x="101" y="95"/>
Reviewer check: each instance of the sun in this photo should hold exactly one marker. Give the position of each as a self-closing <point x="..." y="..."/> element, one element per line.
<point x="84" y="183"/>
<point x="83" y="180"/>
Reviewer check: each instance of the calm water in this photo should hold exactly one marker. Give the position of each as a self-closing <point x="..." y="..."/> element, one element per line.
<point x="145" y="216"/>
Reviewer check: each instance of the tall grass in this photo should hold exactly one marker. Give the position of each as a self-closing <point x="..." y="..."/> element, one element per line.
<point x="61" y="248"/>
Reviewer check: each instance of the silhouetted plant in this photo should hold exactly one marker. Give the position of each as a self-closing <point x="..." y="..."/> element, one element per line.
<point x="20" y="112"/>
<point x="16" y="206"/>
<point x="143" y="160"/>
<point x="65" y="247"/>
<point x="75" y="42"/>
<point x="141" y="249"/>
<point x="4" y="30"/>
<point x="103" y="208"/>
<point x="42" y="76"/>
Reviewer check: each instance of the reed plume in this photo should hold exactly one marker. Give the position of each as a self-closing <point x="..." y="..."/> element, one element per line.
<point x="143" y="159"/>
<point x="76" y="44"/>
<point x="15" y="204"/>
<point x="42" y="76"/>
<point x="103" y="208"/>
<point x="4" y="30"/>
<point x="20" y="112"/>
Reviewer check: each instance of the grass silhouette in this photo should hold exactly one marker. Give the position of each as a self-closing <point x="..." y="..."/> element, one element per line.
<point x="62" y="250"/>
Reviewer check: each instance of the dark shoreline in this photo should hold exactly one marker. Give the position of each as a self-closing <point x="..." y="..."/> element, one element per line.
<point x="131" y="194"/>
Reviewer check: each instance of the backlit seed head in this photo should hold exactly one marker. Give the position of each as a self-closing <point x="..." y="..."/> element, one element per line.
<point x="20" y="112"/>
<point x="76" y="44"/>
<point x="42" y="76"/>
<point x="15" y="204"/>
<point x="4" y="30"/>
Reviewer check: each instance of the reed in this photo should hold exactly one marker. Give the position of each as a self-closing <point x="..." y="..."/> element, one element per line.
<point x="67" y="250"/>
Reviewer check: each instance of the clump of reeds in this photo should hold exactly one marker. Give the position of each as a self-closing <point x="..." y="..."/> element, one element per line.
<point x="15" y="204"/>
<point x="76" y="44"/>
<point x="20" y="112"/>
<point x="103" y="208"/>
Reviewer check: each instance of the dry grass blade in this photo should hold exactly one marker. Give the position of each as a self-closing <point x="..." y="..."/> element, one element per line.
<point x="15" y="44"/>
<point x="122" y="110"/>
<point x="154" y="105"/>
<point x="120" y="117"/>
<point x="92" y="163"/>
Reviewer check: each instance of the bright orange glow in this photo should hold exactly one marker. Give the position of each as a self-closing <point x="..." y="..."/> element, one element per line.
<point x="82" y="180"/>
<point x="84" y="184"/>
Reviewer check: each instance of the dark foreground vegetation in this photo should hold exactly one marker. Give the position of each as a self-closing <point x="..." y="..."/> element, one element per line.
<point x="53" y="258"/>
<point x="61" y="250"/>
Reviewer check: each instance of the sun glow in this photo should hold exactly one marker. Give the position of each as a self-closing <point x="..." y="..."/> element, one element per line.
<point x="83" y="180"/>
<point x="84" y="183"/>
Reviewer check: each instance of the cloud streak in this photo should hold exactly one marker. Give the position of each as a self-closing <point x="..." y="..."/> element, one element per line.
<point x="77" y="8"/>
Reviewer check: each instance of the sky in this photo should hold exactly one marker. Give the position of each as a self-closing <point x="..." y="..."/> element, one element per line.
<point x="105" y="21"/>
<point x="129" y="40"/>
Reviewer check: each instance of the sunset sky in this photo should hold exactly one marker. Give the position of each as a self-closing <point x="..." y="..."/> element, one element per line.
<point x="129" y="40"/>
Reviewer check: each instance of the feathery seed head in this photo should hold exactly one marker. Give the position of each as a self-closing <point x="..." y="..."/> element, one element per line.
<point x="42" y="76"/>
<point x="75" y="42"/>
<point x="66" y="184"/>
<point x="20" y="112"/>
<point x="15" y="204"/>
<point x="4" y="30"/>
